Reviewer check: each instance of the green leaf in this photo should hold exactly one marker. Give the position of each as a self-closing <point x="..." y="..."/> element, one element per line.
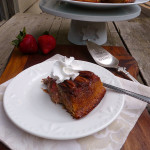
<point x="19" y="37"/>
<point x="15" y="43"/>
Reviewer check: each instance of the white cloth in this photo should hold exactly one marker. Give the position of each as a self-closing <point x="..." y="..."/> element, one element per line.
<point x="111" y="138"/>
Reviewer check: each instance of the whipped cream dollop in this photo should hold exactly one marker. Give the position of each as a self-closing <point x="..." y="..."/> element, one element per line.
<point x="65" y="69"/>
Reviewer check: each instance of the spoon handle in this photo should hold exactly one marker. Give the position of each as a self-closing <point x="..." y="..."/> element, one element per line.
<point x="135" y="95"/>
<point x="123" y="69"/>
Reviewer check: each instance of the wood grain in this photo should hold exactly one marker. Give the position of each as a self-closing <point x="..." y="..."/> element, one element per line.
<point x="63" y="32"/>
<point x="15" y="66"/>
<point x="135" y="34"/>
<point x="146" y="9"/>
<point x="113" y="38"/>
<point x="138" y="138"/>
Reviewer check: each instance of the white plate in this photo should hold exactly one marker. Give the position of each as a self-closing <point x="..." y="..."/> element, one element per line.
<point x="103" y="5"/>
<point x="31" y="109"/>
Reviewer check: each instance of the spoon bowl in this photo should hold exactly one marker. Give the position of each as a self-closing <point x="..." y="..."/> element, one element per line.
<point x="105" y="59"/>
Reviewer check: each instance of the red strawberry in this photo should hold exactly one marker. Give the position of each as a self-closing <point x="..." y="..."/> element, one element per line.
<point x="46" y="43"/>
<point x="25" y="42"/>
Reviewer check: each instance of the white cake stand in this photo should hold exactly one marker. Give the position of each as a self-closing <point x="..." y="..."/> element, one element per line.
<point x="88" y="23"/>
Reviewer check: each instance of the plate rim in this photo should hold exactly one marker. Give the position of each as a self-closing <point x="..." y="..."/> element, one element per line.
<point x="57" y="138"/>
<point x="91" y="4"/>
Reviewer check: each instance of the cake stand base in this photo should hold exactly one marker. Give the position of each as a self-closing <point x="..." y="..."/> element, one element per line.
<point x="81" y="31"/>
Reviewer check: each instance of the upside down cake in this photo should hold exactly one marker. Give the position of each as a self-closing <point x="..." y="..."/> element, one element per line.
<point x="79" y="96"/>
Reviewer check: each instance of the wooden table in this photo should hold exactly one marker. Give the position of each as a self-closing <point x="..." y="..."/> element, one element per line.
<point x="133" y="35"/>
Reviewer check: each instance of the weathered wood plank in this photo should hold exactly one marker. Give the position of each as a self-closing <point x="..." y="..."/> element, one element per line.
<point x="11" y="8"/>
<point x="2" y="22"/>
<point x="4" y="14"/>
<point x="25" y="4"/>
<point x="147" y="4"/>
<point x="113" y="38"/>
<point x="34" y="8"/>
<point x="135" y="34"/>
<point x="62" y="37"/>
<point x="54" y="29"/>
<point x="35" y="24"/>
<point x="146" y="9"/>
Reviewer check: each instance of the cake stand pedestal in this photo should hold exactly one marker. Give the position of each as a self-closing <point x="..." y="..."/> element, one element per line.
<point x="81" y="31"/>
<point x="88" y="23"/>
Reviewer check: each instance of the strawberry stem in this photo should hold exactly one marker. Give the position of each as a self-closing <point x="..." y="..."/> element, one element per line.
<point x="46" y="33"/>
<point x="19" y="37"/>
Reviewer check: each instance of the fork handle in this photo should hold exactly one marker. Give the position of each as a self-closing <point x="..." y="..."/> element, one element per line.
<point x="135" y="95"/>
<point x="123" y="69"/>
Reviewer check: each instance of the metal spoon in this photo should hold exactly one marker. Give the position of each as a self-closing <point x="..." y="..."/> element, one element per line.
<point x="105" y="59"/>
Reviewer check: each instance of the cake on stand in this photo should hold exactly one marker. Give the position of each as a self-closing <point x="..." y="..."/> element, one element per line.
<point x="89" y="23"/>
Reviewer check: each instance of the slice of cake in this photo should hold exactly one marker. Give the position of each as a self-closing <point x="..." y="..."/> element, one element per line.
<point x="79" y="96"/>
